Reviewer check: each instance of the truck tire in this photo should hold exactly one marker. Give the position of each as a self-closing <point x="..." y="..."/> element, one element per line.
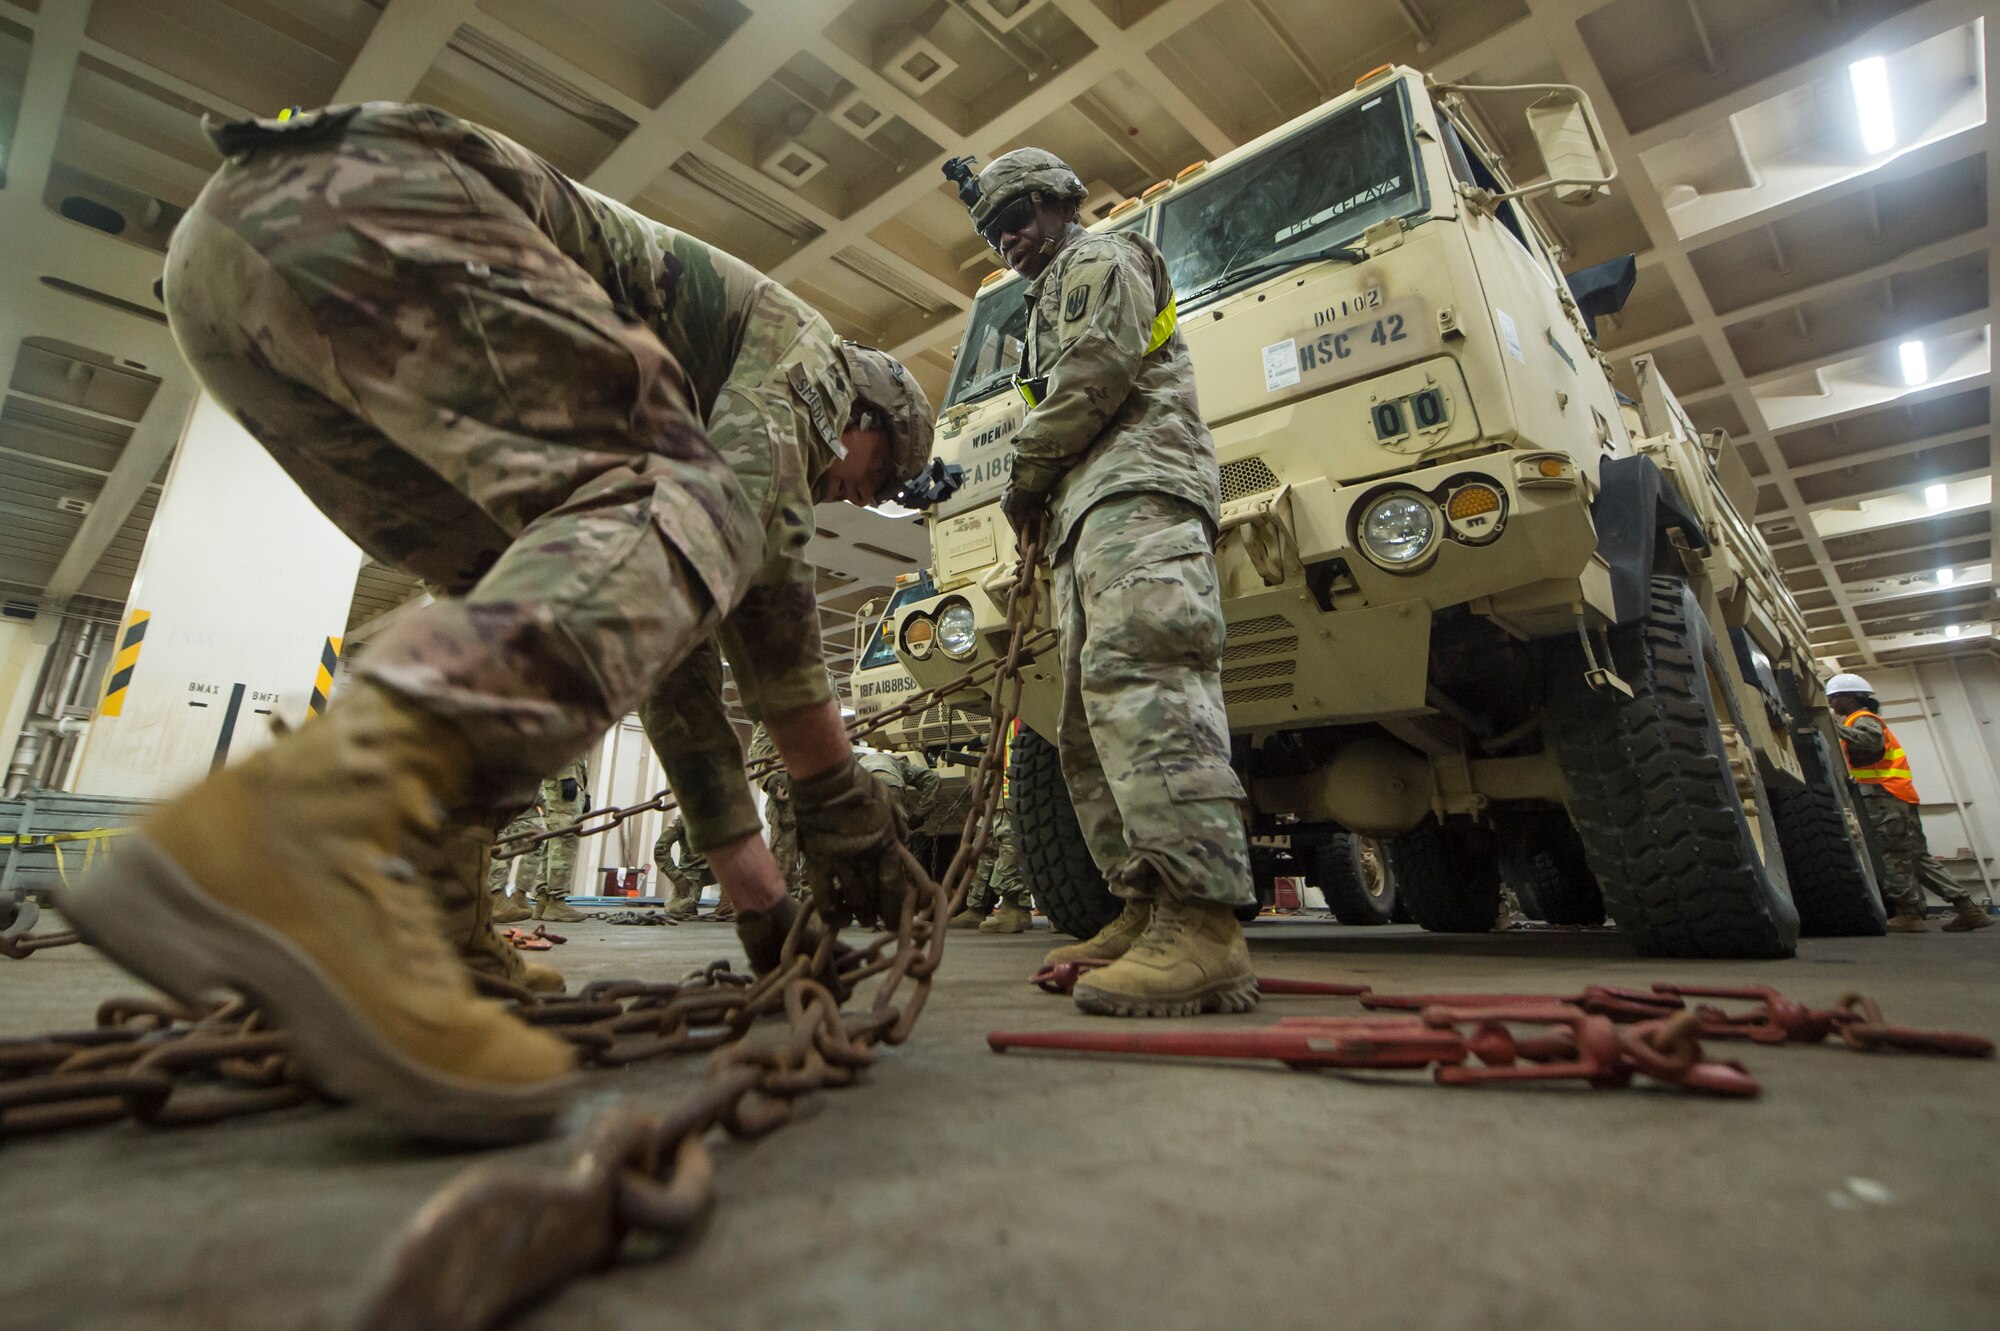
<point x="1687" y="857"/>
<point x="1448" y="878"/>
<point x="1833" y="881"/>
<point x="1550" y="871"/>
<point x="1064" y="879"/>
<point x="1353" y="873"/>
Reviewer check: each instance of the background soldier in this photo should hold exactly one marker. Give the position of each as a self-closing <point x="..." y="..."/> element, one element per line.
<point x="602" y="440"/>
<point x="688" y="878"/>
<point x="1876" y="761"/>
<point x="998" y="877"/>
<point x="531" y="876"/>
<point x="565" y="798"/>
<point x="778" y="817"/>
<point x="1115" y="464"/>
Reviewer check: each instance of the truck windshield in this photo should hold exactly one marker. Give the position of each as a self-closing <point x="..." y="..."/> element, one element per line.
<point x="994" y="337"/>
<point x="881" y="651"/>
<point x="1322" y="186"/>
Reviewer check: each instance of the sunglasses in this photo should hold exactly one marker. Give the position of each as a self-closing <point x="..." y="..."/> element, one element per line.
<point x="1012" y="217"/>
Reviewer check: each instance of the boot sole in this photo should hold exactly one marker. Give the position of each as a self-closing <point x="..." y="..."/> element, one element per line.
<point x="1236" y="994"/>
<point x="143" y="911"/>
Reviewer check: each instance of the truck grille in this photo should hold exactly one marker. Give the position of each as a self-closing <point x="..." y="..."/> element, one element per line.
<point x="1247" y="476"/>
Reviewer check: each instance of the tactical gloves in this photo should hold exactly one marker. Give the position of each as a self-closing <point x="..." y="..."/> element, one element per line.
<point x="1023" y="508"/>
<point x="763" y="934"/>
<point x="852" y="835"/>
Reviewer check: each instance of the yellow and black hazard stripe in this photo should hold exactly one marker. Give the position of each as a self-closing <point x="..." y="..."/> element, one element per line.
<point x="329" y="661"/>
<point x="130" y="639"/>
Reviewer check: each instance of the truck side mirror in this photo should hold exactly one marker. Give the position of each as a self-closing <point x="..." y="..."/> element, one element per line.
<point x="1562" y="131"/>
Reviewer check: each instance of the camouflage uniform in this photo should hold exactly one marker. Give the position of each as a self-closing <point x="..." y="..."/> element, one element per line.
<point x="564" y="797"/>
<point x="1908" y="867"/>
<point x="1118" y="441"/>
<point x="689" y="877"/>
<point x="534" y="875"/>
<point x="998" y="876"/>
<point x="778" y="815"/>
<point x="914" y="785"/>
<point x="497" y="380"/>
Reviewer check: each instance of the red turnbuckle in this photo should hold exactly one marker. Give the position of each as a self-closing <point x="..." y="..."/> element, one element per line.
<point x="1857" y="1019"/>
<point x="1602" y="999"/>
<point x="1864" y="1030"/>
<point x="1061" y="978"/>
<point x="1582" y="1045"/>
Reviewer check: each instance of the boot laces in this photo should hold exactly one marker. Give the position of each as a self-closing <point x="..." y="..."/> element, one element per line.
<point x="1168" y="928"/>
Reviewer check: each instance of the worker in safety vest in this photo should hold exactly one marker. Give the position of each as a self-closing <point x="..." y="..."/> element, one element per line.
<point x="1878" y="764"/>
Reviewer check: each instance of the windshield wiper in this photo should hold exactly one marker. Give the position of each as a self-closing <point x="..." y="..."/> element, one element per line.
<point x="1346" y="252"/>
<point x="985" y="387"/>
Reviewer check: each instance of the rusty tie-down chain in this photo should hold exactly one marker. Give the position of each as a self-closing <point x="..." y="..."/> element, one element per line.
<point x="149" y="1059"/>
<point x="504" y="1235"/>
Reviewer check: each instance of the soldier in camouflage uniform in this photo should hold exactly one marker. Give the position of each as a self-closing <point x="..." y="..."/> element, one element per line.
<point x="998" y="877"/>
<point x="778" y="816"/>
<point x="565" y="798"/>
<point x="1116" y="468"/>
<point x="602" y="440"/>
<point x="532" y="875"/>
<point x="689" y="877"/>
<point x="1880" y="767"/>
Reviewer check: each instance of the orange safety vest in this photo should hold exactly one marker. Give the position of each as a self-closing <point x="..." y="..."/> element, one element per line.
<point x="1891" y="770"/>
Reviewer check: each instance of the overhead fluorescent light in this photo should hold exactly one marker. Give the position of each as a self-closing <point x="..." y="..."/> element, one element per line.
<point x="1951" y="630"/>
<point x="1869" y="80"/>
<point x="1916" y="365"/>
<point x="1936" y="496"/>
<point x="1946" y="576"/>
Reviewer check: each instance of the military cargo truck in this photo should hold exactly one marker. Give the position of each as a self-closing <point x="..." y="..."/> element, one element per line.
<point x="1483" y="607"/>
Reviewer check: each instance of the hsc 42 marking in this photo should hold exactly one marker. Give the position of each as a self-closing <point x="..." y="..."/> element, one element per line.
<point x="1329" y="347"/>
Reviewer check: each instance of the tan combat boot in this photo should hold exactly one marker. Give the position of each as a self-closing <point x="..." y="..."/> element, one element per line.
<point x="1191" y="960"/>
<point x="965" y="919"/>
<point x="507" y="909"/>
<point x="1907" y="922"/>
<point x="1968" y="915"/>
<point x="284" y="876"/>
<point x="557" y="909"/>
<point x="1112" y="941"/>
<point x="1009" y="919"/>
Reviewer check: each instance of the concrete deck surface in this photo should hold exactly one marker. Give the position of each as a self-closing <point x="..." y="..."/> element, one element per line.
<point x="956" y="1188"/>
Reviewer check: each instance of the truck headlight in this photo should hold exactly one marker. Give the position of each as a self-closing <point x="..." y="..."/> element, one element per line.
<point x="917" y="637"/>
<point x="1398" y="529"/>
<point x="954" y="630"/>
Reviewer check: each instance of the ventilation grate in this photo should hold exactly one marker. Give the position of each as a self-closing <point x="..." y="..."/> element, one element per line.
<point x="1247" y="476"/>
<point x="1262" y="693"/>
<point x="1262" y="670"/>
<point x="1241" y="651"/>
<point x="1251" y="628"/>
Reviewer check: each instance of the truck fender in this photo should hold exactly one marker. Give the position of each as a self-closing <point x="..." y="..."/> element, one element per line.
<point x="1633" y="510"/>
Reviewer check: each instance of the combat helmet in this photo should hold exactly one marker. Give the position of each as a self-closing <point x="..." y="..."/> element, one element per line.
<point x="882" y="385"/>
<point x="1013" y="175"/>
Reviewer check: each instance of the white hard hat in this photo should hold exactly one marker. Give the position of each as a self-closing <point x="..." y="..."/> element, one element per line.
<point x="1849" y="684"/>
